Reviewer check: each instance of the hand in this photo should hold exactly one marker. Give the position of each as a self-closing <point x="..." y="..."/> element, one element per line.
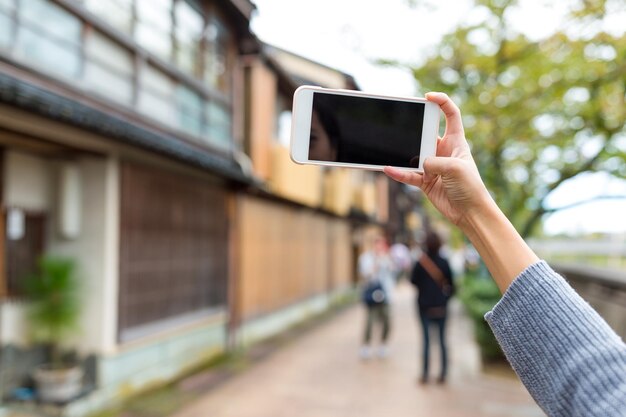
<point x="450" y="180"/>
<point x="452" y="183"/>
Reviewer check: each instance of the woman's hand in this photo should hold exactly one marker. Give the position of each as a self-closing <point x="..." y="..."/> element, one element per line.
<point x="451" y="179"/>
<point x="452" y="183"/>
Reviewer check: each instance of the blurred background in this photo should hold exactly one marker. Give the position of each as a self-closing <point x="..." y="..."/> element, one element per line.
<point x="162" y="255"/>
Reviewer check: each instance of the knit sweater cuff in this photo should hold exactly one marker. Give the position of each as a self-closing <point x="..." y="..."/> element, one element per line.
<point x="516" y="296"/>
<point x="555" y="341"/>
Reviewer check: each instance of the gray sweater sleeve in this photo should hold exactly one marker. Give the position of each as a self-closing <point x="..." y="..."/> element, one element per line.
<point x="569" y="359"/>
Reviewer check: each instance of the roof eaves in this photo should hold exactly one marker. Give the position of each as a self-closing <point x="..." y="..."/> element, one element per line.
<point x="35" y="99"/>
<point x="268" y="49"/>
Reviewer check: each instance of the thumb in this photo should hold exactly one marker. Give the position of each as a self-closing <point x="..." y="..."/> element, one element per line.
<point x="437" y="165"/>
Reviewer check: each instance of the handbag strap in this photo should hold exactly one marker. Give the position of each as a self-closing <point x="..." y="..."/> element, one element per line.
<point x="433" y="270"/>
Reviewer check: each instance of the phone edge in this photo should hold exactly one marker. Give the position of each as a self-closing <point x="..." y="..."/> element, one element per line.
<point x="296" y="115"/>
<point x="432" y="133"/>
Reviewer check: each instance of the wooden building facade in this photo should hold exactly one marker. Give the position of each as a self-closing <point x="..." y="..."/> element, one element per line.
<point x="145" y="140"/>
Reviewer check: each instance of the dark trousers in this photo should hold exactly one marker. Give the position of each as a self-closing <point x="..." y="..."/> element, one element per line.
<point x="440" y="323"/>
<point x="377" y="313"/>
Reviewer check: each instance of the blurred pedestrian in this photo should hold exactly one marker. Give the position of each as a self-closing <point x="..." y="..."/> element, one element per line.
<point x="401" y="257"/>
<point x="377" y="272"/>
<point x="432" y="276"/>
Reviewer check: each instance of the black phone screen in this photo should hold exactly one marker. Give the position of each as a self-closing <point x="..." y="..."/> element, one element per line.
<point x="364" y="130"/>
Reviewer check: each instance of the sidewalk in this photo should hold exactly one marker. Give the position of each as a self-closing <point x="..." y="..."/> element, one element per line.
<point x="320" y="375"/>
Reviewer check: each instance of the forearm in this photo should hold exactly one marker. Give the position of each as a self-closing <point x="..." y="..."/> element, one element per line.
<point x="570" y="360"/>
<point x="565" y="354"/>
<point x="502" y="249"/>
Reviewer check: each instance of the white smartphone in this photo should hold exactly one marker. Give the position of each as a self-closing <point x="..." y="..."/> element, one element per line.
<point x="358" y="130"/>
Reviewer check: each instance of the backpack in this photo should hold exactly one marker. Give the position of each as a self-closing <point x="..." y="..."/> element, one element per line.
<point x="374" y="294"/>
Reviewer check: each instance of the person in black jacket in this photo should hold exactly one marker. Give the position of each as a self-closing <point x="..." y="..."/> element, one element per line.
<point x="432" y="277"/>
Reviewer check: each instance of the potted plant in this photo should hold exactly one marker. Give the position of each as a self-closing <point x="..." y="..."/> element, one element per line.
<point x="54" y="310"/>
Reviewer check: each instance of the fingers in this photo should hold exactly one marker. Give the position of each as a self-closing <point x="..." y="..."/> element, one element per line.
<point x="454" y="124"/>
<point x="441" y="150"/>
<point x="439" y="165"/>
<point x="434" y="166"/>
<point x="406" y="177"/>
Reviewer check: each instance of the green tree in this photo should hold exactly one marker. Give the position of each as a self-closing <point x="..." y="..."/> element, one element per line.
<point x="537" y="112"/>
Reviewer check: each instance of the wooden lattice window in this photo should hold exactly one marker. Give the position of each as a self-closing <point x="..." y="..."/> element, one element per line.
<point x="173" y="249"/>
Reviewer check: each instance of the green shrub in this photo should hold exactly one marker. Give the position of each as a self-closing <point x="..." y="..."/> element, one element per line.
<point x="479" y="293"/>
<point x="54" y="304"/>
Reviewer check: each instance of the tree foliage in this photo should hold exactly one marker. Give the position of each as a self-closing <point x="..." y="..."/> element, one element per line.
<point x="537" y="112"/>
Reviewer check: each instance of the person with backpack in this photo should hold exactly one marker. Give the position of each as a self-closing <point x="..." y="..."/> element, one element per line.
<point x="377" y="271"/>
<point x="432" y="276"/>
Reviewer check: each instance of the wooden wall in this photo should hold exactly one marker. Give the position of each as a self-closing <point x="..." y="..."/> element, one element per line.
<point x="301" y="183"/>
<point x="263" y="91"/>
<point x="287" y="254"/>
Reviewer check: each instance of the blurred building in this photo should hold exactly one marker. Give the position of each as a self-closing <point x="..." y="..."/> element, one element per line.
<point x="147" y="140"/>
<point x="300" y="230"/>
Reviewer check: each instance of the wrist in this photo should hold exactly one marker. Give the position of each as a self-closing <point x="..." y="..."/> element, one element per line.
<point x="478" y="218"/>
<point x="502" y="249"/>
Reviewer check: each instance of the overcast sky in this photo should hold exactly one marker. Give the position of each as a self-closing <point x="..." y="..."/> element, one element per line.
<point x="349" y="34"/>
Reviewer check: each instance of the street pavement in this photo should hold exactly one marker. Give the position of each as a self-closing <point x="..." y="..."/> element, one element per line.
<point x="319" y="374"/>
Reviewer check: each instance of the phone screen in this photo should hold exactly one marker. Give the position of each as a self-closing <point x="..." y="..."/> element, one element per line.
<point x="364" y="130"/>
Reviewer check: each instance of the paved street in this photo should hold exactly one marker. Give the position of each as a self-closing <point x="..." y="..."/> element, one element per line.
<point x="320" y="375"/>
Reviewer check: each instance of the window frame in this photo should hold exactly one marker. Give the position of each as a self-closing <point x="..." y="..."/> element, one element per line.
<point x="20" y="22"/>
<point x="198" y="65"/>
<point x="89" y="59"/>
<point x="140" y="21"/>
<point x="141" y="57"/>
<point x="12" y="15"/>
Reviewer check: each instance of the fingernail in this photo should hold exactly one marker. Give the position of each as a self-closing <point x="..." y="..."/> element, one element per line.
<point x="395" y="173"/>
